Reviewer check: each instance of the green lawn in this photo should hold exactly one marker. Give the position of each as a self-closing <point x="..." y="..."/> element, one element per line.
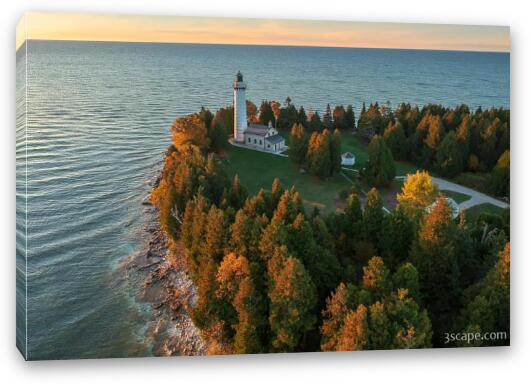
<point x="352" y="143"/>
<point x="258" y="170"/>
<point x="458" y="197"/>
<point x="355" y="145"/>
<point x="472" y="213"/>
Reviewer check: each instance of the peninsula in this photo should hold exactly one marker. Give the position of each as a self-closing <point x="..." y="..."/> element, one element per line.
<point x="289" y="248"/>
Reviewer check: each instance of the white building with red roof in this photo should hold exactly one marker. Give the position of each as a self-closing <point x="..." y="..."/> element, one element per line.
<point x="255" y="136"/>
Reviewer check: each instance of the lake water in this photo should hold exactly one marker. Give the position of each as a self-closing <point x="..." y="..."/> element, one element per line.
<point x="97" y="127"/>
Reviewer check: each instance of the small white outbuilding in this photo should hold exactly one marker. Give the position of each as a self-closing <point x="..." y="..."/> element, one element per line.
<point x="451" y="203"/>
<point x="348" y="158"/>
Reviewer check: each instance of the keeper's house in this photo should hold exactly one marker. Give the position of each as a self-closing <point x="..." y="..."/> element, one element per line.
<point x="263" y="137"/>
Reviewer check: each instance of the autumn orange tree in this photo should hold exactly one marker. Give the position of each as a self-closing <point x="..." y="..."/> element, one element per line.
<point x="190" y="129"/>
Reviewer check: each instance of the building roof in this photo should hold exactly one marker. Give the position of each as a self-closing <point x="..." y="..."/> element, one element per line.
<point x="347" y="155"/>
<point x="275" y="139"/>
<point x="257" y="129"/>
<point x="451" y="202"/>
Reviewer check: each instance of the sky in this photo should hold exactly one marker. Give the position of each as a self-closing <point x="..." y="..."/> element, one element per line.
<point x="209" y="30"/>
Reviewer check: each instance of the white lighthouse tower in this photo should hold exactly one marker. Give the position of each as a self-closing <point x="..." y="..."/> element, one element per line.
<point x="240" y="108"/>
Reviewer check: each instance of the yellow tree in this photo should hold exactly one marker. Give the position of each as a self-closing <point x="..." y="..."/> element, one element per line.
<point x="418" y="192"/>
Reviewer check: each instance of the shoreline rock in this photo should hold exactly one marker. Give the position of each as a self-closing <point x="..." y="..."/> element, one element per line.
<point x="170" y="292"/>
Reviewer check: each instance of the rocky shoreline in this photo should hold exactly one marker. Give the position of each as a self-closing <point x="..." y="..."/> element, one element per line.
<point x="169" y="290"/>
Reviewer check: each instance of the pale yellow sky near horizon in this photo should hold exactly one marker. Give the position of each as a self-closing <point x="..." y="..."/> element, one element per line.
<point x="210" y="30"/>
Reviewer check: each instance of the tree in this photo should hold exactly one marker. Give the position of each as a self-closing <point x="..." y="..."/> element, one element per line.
<point x="193" y="232"/>
<point x="373" y="217"/>
<point x="396" y="140"/>
<point x="289" y="207"/>
<point x="408" y="325"/>
<point x="353" y="210"/>
<point x="370" y="121"/>
<point x="190" y="129"/>
<point x="302" y="118"/>
<point x="449" y="160"/>
<point x="398" y="232"/>
<point x="487" y="303"/>
<point x="418" y="192"/>
<point x="339" y="118"/>
<point x="380" y="166"/>
<point x="251" y="111"/>
<point x="434" y="255"/>
<point x="274" y="237"/>
<point x="500" y="183"/>
<point x="250" y="308"/>
<point x="337" y="307"/>
<point x="320" y="262"/>
<point x="432" y="141"/>
<point x="376" y="278"/>
<point x="297" y="145"/>
<point x="360" y="319"/>
<point x="463" y="135"/>
<point x="335" y="152"/>
<point x="266" y="113"/>
<point x="206" y="116"/>
<point x="217" y="134"/>
<point x="205" y="314"/>
<point x="327" y="118"/>
<point x="407" y="276"/>
<point x="489" y="143"/>
<point x="245" y="235"/>
<point x="163" y="197"/>
<point x="354" y="333"/>
<point x="237" y="193"/>
<point x="292" y="301"/>
<point x="318" y="156"/>
<point x="275" y="107"/>
<point x="232" y="271"/>
<point x="315" y="122"/>
<point x="236" y="288"/>
<point x="276" y="193"/>
<point x="435" y="132"/>
<point x="350" y="119"/>
<point x="225" y="116"/>
<point x="288" y="116"/>
<point x="216" y="234"/>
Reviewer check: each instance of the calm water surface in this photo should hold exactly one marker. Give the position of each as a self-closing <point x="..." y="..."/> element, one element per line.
<point x="98" y="119"/>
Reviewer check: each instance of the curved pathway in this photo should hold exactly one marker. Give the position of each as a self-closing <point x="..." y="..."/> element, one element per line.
<point x="476" y="198"/>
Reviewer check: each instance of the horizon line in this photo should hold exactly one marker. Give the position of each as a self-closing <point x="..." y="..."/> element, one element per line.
<point x="262" y="45"/>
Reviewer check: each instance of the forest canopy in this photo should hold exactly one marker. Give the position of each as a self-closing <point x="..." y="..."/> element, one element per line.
<point x="272" y="277"/>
